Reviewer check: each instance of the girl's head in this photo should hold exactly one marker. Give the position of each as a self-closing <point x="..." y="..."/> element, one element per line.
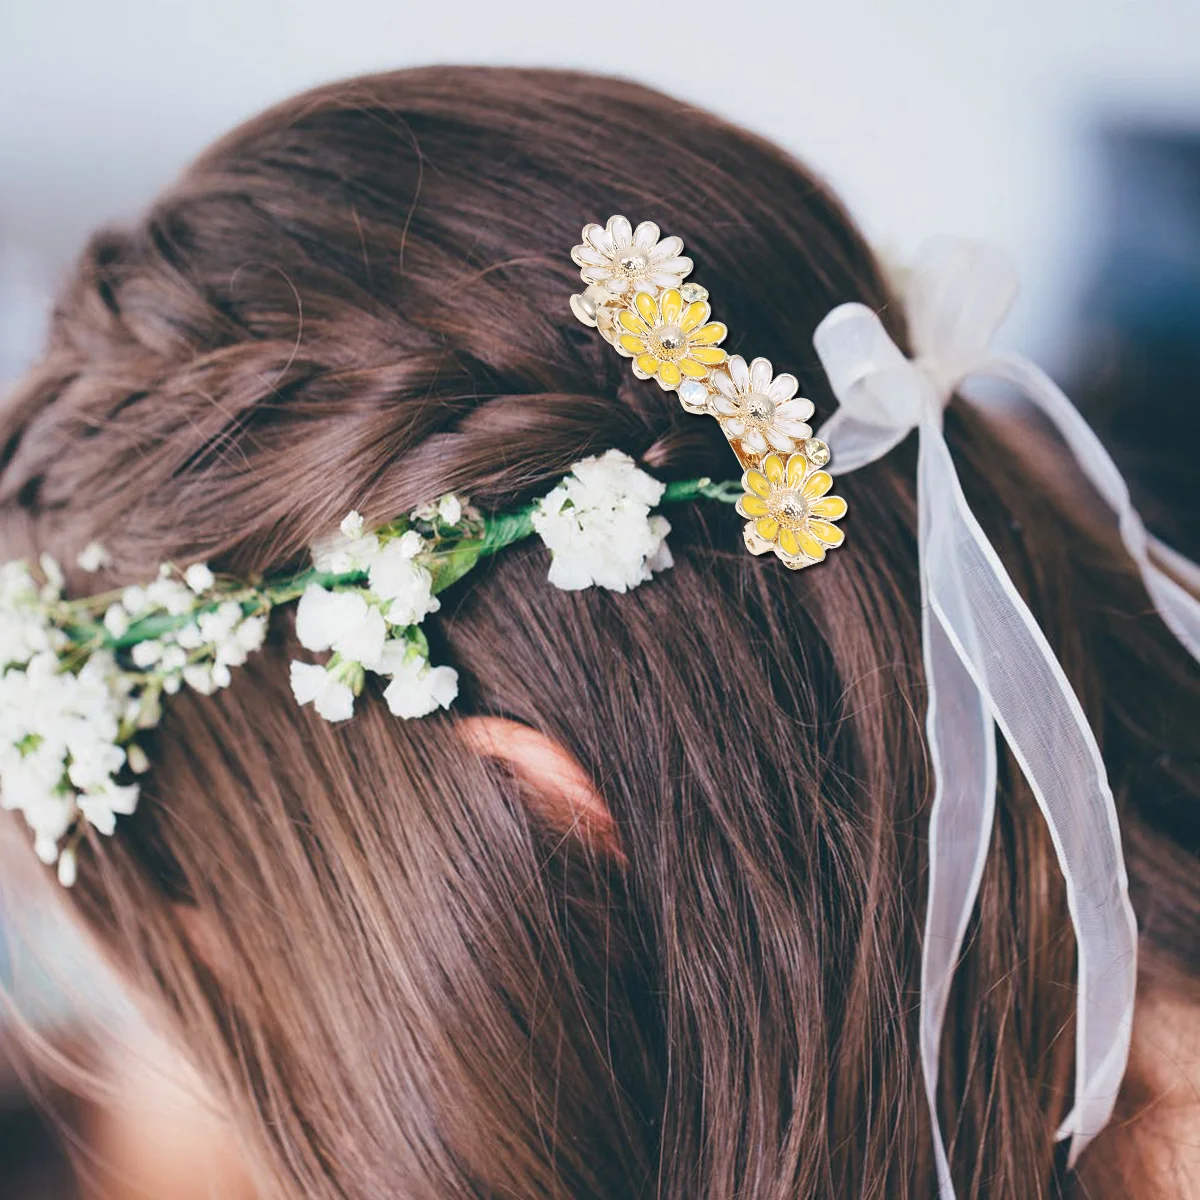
<point x="405" y="963"/>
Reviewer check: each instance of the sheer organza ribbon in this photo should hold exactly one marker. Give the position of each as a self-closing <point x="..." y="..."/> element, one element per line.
<point x="988" y="663"/>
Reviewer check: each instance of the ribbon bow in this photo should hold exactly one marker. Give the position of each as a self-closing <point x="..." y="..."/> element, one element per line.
<point x="988" y="663"/>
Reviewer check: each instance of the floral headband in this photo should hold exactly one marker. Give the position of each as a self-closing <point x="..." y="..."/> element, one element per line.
<point x="83" y="679"/>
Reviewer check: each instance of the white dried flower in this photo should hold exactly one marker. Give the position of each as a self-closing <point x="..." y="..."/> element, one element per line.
<point x="342" y="622"/>
<point x="58" y="746"/>
<point x="135" y="600"/>
<point x="93" y="557"/>
<point x="199" y="677"/>
<point x="417" y="689"/>
<point x="241" y="642"/>
<point x="55" y="580"/>
<point x="174" y="658"/>
<point x="146" y="654"/>
<point x="171" y="595"/>
<point x="116" y="620"/>
<point x="102" y="807"/>
<point x="350" y="549"/>
<point x="220" y="623"/>
<point x="68" y="864"/>
<point x="598" y="526"/>
<point x="331" y="696"/>
<point x="450" y="509"/>
<point x="405" y="585"/>
<point x="24" y="623"/>
<point x="199" y="578"/>
<point x="189" y="636"/>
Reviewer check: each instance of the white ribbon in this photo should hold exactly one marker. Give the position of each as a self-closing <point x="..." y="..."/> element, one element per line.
<point x="988" y="663"/>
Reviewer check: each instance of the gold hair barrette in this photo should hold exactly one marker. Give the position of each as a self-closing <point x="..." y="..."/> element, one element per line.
<point x="638" y="300"/>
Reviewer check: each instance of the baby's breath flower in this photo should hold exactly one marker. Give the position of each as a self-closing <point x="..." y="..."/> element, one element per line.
<point x="93" y="557"/>
<point x="342" y="622"/>
<point x="350" y="549"/>
<point x="598" y="526"/>
<point x="68" y="865"/>
<point x="403" y="583"/>
<point x="173" y="658"/>
<point x="116" y="620"/>
<point x="199" y="578"/>
<point x="146" y="654"/>
<point x="170" y="595"/>
<point x="331" y="696"/>
<point x="450" y="509"/>
<point x="55" y="579"/>
<point x="135" y="600"/>
<point x="417" y="689"/>
<point x="102" y="807"/>
<point x="199" y="677"/>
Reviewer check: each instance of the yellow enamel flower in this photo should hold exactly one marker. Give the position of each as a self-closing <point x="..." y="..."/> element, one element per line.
<point x="668" y="339"/>
<point x="788" y="511"/>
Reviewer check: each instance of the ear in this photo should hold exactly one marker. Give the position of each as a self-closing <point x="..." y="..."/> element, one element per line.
<point x="561" y="793"/>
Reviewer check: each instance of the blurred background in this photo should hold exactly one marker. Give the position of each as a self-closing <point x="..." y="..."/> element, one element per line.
<point x="1067" y="131"/>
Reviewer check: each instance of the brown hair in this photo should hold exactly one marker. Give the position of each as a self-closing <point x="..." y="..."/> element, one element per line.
<point x="360" y="300"/>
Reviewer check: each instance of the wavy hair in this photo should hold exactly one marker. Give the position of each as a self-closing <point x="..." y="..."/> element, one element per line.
<point x="420" y="988"/>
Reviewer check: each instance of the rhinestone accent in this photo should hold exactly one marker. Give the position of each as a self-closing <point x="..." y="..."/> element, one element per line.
<point x="816" y="452"/>
<point x="693" y="395"/>
<point x="691" y="292"/>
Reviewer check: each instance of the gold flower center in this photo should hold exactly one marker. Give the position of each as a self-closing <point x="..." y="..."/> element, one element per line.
<point x="671" y="342"/>
<point x="759" y="410"/>
<point x="633" y="263"/>
<point x="790" y="508"/>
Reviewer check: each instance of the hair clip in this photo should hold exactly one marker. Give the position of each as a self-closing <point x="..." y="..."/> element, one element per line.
<point x="637" y="298"/>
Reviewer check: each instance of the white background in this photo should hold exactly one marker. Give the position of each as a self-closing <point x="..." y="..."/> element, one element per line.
<point x="928" y="116"/>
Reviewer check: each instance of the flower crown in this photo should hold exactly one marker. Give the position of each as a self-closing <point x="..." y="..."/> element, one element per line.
<point x="84" y="679"/>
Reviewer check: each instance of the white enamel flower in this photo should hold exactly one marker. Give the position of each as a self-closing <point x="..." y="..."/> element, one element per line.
<point x="621" y="258"/>
<point x="760" y="410"/>
<point x="598" y="526"/>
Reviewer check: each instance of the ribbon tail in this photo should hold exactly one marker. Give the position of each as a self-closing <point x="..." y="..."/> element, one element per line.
<point x="1181" y="567"/>
<point x="1178" y="607"/>
<point x="1002" y="648"/>
<point x="962" y="750"/>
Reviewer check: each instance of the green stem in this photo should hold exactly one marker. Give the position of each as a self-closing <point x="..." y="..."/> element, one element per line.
<point x="447" y="566"/>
